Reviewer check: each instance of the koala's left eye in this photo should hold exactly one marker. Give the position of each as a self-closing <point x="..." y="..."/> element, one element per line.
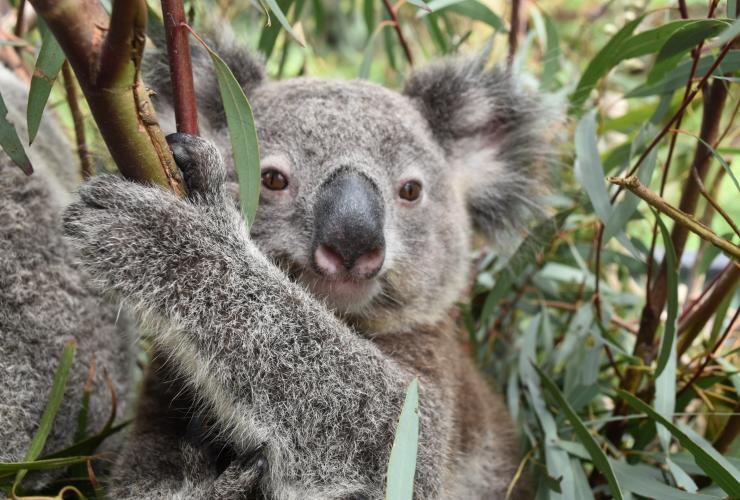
<point x="410" y="191"/>
<point x="274" y="180"/>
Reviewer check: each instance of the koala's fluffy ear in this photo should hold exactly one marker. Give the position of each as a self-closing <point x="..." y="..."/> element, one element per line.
<point x="248" y="69"/>
<point x="493" y="134"/>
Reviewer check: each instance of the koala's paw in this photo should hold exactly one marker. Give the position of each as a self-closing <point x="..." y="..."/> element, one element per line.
<point x="201" y="164"/>
<point x="242" y="477"/>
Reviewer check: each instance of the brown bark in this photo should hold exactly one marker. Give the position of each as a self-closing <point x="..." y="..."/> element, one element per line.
<point x="181" y="70"/>
<point x="105" y="55"/>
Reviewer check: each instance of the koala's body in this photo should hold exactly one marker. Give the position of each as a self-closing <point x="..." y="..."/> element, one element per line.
<point x="285" y="349"/>
<point x="46" y="300"/>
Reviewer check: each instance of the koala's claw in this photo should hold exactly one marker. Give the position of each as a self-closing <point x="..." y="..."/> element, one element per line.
<point x="201" y="164"/>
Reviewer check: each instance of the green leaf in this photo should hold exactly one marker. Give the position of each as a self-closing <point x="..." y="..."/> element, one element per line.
<point x="594" y="450"/>
<point x="636" y="479"/>
<point x="367" y="54"/>
<point x="420" y="4"/>
<point x="650" y="41"/>
<point x="368" y="13"/>
<point x="551" y="58"/>
<point x="402" y="462"/>
<point x="731" y="32"/>
<point x="711" y="462"/>
<point x="472" y="9"/>
<point x="680" y="42"/>
<point x="11" y="143"/>
<point x="52" y="407"/>
<point x="668" y="339"/>
<point x="720" y="159"/>
<point x="588" y="168"/>
<point x="600" y="65"/>
<point x="52" y="463"/>
<point x="676" y="79"/>
<point x="243" y="136"/>
<point x="48" y="64"/>
<point x="269" y="34"/>
<point x="275" y="9"/>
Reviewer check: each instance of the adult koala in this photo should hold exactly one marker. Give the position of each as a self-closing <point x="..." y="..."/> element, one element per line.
<point x="291" y="343"/>
<point x="46" y="300"/>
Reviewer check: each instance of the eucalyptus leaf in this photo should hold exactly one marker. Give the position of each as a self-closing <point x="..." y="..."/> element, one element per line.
<point x="402" y="462"/>
<point x="11" y="143"/>
<point x="48" y="64"/>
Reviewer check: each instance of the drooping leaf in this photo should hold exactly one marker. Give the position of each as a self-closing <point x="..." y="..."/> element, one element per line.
<point x="52" y="463"/>
<point x="597" y="454"/>
<point x="269" y="34"/>
<point x="551" y="58"/>
<point x="280" y="15"/>
<point x="711" y="462"/>
<point x="676" y="79"/>
<point x="731" y="32"/>
<point x="54" y="401"/>
<point x="402" y="462"/>
<point x="242" y="135"/>
<point x="588" y="168"/>
<point x="682" y="41"/>
<point x="11" y="143"/>
<point x="650" y="41"/>
<point x="636" y="480"/>
<point x="48" y="65"/>
<point x="669" y="334"/>
<point x="472" y="9"/>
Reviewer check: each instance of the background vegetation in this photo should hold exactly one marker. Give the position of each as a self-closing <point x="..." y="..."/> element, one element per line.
<point x="611" y="329"/>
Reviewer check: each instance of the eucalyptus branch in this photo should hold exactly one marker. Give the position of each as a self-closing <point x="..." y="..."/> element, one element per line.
<point x="181" y="69"/>
<point x="106" y="63"/>
<point x="397" y="26"/>
<point x="682" y="218"/>
<point x="514" y="29"/>
<point x="86" y="167"/>
<point x="692" y="324"/>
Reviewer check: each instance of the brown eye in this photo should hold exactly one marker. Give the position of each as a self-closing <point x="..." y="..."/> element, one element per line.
<point x="410" y="191"/>
<point x="274" y="180"/>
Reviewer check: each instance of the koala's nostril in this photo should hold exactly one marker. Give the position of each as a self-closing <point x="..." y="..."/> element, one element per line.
<point x="328" y="260"/>
<point x="368" y="265"/>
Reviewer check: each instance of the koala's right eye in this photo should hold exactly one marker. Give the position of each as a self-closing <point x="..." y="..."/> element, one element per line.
<point x="274" y="180"/>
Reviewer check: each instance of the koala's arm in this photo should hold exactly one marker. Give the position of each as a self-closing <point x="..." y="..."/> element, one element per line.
<point x="275" y="367"/>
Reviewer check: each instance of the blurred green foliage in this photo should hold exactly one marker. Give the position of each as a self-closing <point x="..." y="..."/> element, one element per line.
<point x="559" y="318"/>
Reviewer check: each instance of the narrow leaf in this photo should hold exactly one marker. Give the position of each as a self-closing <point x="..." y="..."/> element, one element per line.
<point x="402" y="462"/>
<point x="11" y="143"/>
<point x="721" y="471"/>
<point x="275" y="9"/>
<point x="588" y="168"/>
<point x="597" y="454"/>
<point x="52" y="463"/>
<point x="52" y="407"/>
<point x="269" y="34"/>
<point x="668" y="338"/>
<point x="650" y="41"/>
<point x="48" y="64"/>
<point x="242" y="134"/>
<point x="472" y="9"/>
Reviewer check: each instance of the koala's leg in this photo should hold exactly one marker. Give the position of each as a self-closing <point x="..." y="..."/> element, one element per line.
<point x="274" y="366"/>
<point x="165" y="457"/>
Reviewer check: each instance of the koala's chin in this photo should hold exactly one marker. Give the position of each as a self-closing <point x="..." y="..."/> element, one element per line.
<point x="345" y="295"/>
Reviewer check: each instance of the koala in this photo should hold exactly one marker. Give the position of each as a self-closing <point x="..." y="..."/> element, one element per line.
<point x="285" y="348"/>
<point x="46" y="298"/>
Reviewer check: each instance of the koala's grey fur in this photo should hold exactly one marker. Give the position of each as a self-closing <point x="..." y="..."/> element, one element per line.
<point x="267" y="384"/>
<point x="46" y="299"/>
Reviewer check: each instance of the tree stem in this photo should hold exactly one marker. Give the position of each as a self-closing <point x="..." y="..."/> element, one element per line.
<point x="181" y="69"/>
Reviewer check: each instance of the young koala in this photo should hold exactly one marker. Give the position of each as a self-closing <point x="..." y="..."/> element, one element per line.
<point x="286" y="348"/>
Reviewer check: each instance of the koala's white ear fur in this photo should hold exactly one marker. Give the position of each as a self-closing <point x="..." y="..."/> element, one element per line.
<point x="493" y="134"/>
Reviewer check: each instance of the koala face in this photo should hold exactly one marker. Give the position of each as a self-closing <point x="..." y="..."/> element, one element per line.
<point x="358" y="201"/>
<point x="369" y="196"/>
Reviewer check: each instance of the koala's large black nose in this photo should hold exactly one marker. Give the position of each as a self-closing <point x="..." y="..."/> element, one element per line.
<point x="348" y="227"/>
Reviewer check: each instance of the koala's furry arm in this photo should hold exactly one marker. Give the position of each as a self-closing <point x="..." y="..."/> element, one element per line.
<point x="275" y="368"/>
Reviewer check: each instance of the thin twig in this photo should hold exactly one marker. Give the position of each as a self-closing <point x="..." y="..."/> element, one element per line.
<point x="686" y="220"/>
<point x="181" y="69"/>
<point x="397" y="26"/>
<point x="712" y="201"/>
<point x="18" y="29"/>
<point x="86" y="167"/>
<point x="514" y="30"/>
<point x="700" y="370"/>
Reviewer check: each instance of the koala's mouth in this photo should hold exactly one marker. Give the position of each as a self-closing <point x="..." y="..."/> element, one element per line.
<point x="346" y="295"/>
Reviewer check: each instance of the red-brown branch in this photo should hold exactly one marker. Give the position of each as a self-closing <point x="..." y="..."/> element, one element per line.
<point x="181" y="69"/>
<point x="397" y="26"/>
<point x="514" y="29"/>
